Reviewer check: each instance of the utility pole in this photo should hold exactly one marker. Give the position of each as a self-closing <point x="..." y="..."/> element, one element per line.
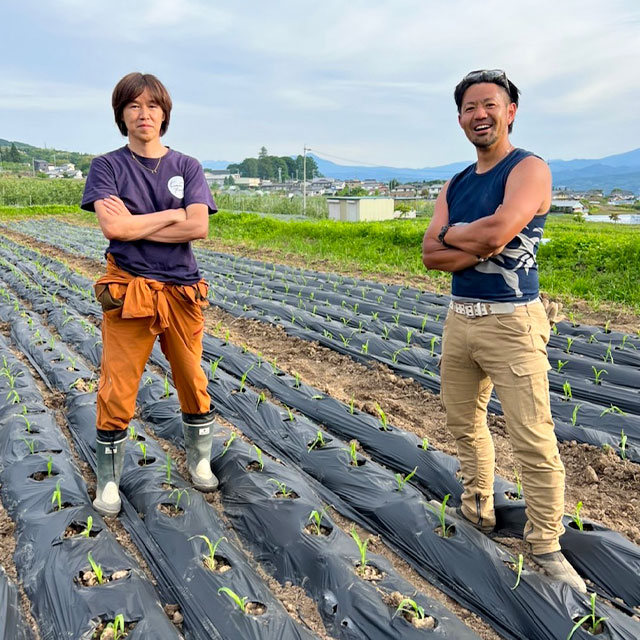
<point x="304" y="179"/>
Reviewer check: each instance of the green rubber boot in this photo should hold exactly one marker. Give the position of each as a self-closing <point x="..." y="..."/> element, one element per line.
<point x="198" y="437"/>
<point x="110" y="455"/>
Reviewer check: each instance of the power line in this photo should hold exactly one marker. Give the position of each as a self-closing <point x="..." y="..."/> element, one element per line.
<point x="357" y="162"/>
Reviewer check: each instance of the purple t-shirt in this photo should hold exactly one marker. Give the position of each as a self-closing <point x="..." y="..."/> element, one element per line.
<point x="178" y="183"/>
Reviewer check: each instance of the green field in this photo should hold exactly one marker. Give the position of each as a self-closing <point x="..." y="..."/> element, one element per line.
<point x="598" y="263"/>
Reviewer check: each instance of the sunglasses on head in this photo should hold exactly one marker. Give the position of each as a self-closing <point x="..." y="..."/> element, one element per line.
<point x="497" y="76"/>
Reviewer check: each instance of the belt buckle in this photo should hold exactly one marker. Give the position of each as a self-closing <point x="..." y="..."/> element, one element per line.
<point x="469" y="310"/>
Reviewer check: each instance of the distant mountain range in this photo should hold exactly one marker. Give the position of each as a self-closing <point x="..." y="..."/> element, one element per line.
<point x="617" y="171"/>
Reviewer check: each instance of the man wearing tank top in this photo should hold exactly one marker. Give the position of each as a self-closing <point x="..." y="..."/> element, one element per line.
<point x="151" y="202"/>
<point x="486" y="229"/>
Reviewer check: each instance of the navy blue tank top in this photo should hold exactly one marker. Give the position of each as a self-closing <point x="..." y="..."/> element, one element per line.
<point x="511" y="276"/>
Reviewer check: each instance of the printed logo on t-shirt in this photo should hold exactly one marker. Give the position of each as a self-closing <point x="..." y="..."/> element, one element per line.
<point x="176" y="186"/>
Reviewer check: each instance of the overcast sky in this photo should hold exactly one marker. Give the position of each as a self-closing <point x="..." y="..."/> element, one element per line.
<point x="368" y="81"/>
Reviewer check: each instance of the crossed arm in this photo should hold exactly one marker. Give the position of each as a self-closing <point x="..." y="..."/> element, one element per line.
<point x="527" y="193"/>
<point x="170" y="225"/>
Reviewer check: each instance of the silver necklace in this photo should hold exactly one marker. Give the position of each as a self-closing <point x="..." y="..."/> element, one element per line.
<point x="144" y="166"/>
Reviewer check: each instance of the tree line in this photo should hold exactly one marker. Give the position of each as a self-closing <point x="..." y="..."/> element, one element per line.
<point x="24" y="153"/>
<point x="275" y="168"/>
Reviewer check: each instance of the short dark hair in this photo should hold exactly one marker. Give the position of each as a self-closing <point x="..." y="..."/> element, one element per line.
<point x="495" y="76"/>
<point x="130" y="87"/>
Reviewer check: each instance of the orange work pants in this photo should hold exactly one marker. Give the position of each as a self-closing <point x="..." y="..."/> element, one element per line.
<point x="135" y="311"/>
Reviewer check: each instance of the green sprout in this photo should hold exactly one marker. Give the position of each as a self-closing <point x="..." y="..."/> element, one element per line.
<point x="297" y="382"/>
<point x="518" y="483"/>
<point x="411" y="607"/>
<point x="179" y="493"/>
<point x="117" y="626"/>
<point x="608" y="355"/>
<point x="594" y="622"/>
<point x="87" y="530"/>
<point x="259" y="456"/>
<point x="570" y="341"/>
<point x="623" y="445"/>
<point x="362" y="548"/>
<point x="432" y="345"/>
<point x="213" y="366"/>
<point x="49" y="466"/>
<point x="243" y="378"/>
<point x="143" y="449"/>
<point x="598" y="373"/>
<point x="31" y="445"/>
<point x="96" y="568"/>
<point x="282" y="488"/>
<point x="262" y="397"/>
<point x="365" y="347"/>
<point x="384" y="422"/>
<point x="441" y="513"/>
<point x="27" y="423"/>
<point x="227" y="444"/>
<point x="290" y="417"/>
<point x="560" y="364"/>
<point x="425" y="319"/>
<point x="566" y="387"/>
<point x="353" y="453"/>
<point x="210" y="559"/>
<point x="318" y="442"/>
<point x="425" y="443"/>
<point x="167" y="388"/>
<point x="575" y="516"/>
<point x="574" y="415"/>
<point x="56" y="497"/>
<point x="402" y="480"/>
<point x="240" y="602"/>
<point x="613" y="409"/>
<point x="167" y="466"/>
<point x="315" y="517"/>
<point x="519" y="564"/>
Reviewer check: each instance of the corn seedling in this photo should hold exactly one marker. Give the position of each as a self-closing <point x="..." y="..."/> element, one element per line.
<point x="315" y="517"/>
<point x="384" y="422"/>
<point x="262" y="397"/>
<point x="411" y="607"/>
<point x="290" y="417"/>
<point x="27" y="423"/>
<point x="274" y="365"/>
<point x="167" y="467"/>
<point x="425" y="319"/>
<point x="282" y="488"/>
<point x="213" y="366"/>
<point x="432" y="345"/>
<point x="519" y="565"/>
<point x="345" y="341"/>
<point x="374" y="315"/>
<point x="13" y="396"/>
<point x="623" y="445"/>
<point x="353" y="453"/>
<point x="395" y="354"/>
<point x="594" y="622"/>
<point x="96" y="568"/>
<point x="143" y="449"/>
<point x="179" y="493"/>
<point x="402" y="480"/>
<point x="365" y="347"/>
<point x="625" y="339"/>
<point x="608" y="356"/>
<point x="296" y="375"/>
<point x="560" y="364"/>
<point x="259" y="456"/>
<point x="362" y="548"/>
<point x="50" y="465"/>
<point x="570" y="341"/>
<point x="613" y="409"/>
<point x="566" y="388"/>
<point x="440" y="512"/>
<point x="574" y="415"/>
<point x="598" y="373"/>
<point x="167" y="388"/>
<point x="56" y="496"/>
<point x="318" y="442"/>
<point x="31" y="445"/>
<point x="425" y="443"/>
<point x="518" y="483"/>
<point x="210" y="559"/>
<point x="86" y="532"/>
<point x="385" y="332"/>
<point x="227" y="444"/>
<point x="575" y="516"/>
<point x="396" y="319"/>
<point x="117" y="626"/>
<point x="240" y="602"/>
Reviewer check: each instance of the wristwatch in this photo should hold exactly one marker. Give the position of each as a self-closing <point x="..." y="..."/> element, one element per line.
<point x="442" y="234"/>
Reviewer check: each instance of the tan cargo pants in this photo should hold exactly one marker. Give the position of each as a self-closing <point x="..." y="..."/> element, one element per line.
<point x="507" y="351"/>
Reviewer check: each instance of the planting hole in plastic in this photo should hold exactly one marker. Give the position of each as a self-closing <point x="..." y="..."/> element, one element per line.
<point x="450" y="531"/>
<point x="87" y="577"/>
<point x="76" y="528"/>
<point x="369" y="572"/>
<point x="171" y="510"/>
<point x="312" y="530"/>
<point x="144" y="462"/>
<point x="222" y="565"/>
<point x="586" y="526"/>
<point x="102" y="630"/>
<point x="39" y="476"/>
<point x="511" y="495"/>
